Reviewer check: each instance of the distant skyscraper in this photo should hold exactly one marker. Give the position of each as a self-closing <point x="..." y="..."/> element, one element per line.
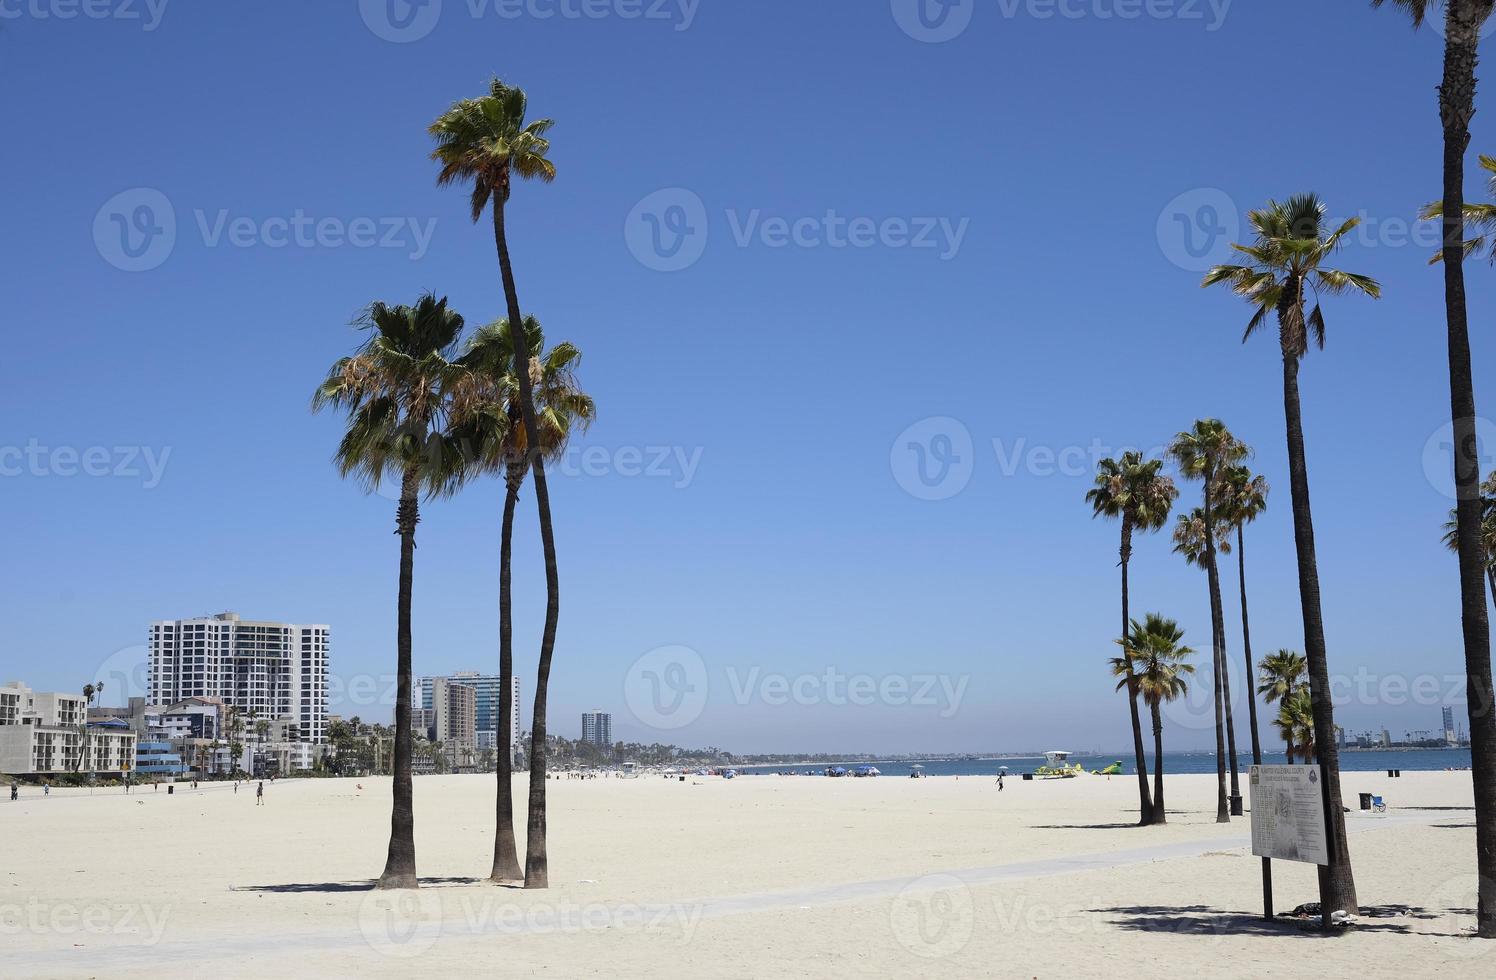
<point x="487" y="688"/>
<point x="1450" y="738"/>
<point x="597" y="728"/>
<point x="275" y="670"/>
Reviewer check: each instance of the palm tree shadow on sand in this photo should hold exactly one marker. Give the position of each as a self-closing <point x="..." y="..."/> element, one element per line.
<point x="334" y="887"/>
<point x="1201" y="920"/>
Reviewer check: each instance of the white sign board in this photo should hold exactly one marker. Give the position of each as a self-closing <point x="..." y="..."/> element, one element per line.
<point x="1288" y="814"/>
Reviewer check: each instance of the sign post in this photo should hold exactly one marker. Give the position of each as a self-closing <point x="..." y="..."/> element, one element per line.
<point x="1288" y="814"/>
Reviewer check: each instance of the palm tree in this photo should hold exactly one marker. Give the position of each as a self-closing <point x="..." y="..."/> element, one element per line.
<point x="1286" y="263"/>
<point x="489" y="413"/>
<point x="1280" y="677"/>
<point x="1205" y="452"/>
<point x="1487" y="530"/>
<point x="90" y="691"/>
<point x="1246" y="498"/>
<point x="1153" y="663"/>
<point x="395" y="391"/>
<point x="486" y="141"/>
<point x="1295" y="722"/>
<point x="1135" y="491"/>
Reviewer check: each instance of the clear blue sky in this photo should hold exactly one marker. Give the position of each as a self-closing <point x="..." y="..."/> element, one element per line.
<point x="1054" y="144"/>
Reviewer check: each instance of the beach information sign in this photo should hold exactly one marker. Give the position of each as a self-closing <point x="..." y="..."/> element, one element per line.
<point x="1288" y="814"/>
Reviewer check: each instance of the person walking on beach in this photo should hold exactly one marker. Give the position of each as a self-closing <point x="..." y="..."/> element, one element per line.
<point x="15" y="792"/>
<point x="999" y="782"/>
<point x="260" y="795"/>
<point x="46" y="789"/>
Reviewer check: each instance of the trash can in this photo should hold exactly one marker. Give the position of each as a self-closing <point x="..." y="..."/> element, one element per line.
<point x="1028" y="777"/>
<point x="1366" y="801"/>
<point x="170" y="790"/>
<point x="1236" y="809"/>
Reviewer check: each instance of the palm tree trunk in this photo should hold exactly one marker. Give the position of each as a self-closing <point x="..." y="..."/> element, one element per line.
<point x="537" y="873"/>
<point x="1246" y="642"/>
<point x="505" y="854"/>
<point x="1457" y="108"/>
<point x="1218" y="654"/>
<point x="1159" y="814"/>
<point x="1337" y="885"/>
<point x="400" y="864"/>
<point x="1145" y="806"/>
<point x="1492" y="575"/>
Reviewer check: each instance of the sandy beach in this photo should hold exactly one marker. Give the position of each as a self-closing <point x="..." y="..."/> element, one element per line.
<point x="759" y="876"/>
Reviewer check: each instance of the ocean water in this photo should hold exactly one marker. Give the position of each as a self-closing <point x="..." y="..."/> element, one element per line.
<point x="1410" y="760"/>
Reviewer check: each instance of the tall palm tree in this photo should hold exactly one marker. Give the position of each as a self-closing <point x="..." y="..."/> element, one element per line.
<point x="487" y="142"/>
<point x="1246" y="498"/>
<point x="1280" y="676"/>
<point x="1205" y="452"/>
<point x="489" y="409"/>
<point x="394" y="390"/>
<point x="1135" y="491"/>
<point x="1463" y="20"/>
<point x="1285" y="263"/>
<point x="1153" y="662"/>
<point x="1487" y="530"/>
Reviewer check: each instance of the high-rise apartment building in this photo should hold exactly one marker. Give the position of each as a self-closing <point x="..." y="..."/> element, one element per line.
<point x="486" y="687"/>
<point x="1450" y="738"/>
<point x="269" y="670"/>
<point x="597" y="728"/>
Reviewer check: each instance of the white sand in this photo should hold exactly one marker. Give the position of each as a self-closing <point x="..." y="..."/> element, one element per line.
<point x="759" y="876"/>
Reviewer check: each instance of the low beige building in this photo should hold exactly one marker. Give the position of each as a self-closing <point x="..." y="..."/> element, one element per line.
<point x="45" y="734"/>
